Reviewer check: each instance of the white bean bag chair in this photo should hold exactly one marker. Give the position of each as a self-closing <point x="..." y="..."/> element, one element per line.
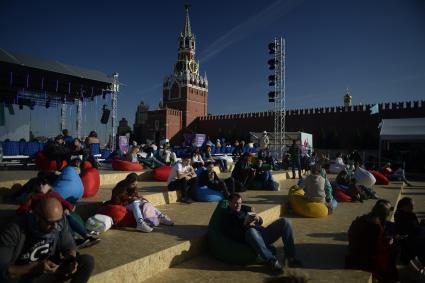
<point x="335" y="168"/>
<point x="364" y="177"/>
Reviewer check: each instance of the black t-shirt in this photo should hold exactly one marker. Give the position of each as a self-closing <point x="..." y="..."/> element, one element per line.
<point x="21" y="242"/>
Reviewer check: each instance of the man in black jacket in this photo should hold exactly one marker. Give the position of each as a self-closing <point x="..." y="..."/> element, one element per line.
<point x="242" y="224"/>
<point x="40" y="247"/>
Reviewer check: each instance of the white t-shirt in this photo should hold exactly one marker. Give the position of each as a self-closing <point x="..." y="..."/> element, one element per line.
<point x="178" y="167"/>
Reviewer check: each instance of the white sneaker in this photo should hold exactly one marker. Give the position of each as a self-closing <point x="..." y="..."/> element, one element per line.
<point x="142" y="226"/>
<point x="165" y="220"/>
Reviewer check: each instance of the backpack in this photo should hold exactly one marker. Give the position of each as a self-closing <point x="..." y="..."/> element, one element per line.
<point x="99" y="223"/>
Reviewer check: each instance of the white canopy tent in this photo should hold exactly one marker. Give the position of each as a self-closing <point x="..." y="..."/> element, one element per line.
<point x="407" y="130"/>
<point x="403" y="130"/>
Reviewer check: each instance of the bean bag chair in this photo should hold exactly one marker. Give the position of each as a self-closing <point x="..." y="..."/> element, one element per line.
<point x="121" y="216"/>
<point x="86" y="165"/>
<point x="91" y="182"/>
<point x="364" y="178"/>
<point x="162" y="173"/>
<point x="304" y="208"/>
<point x="45" y="164"/>
<point x="381" y="179"/>
<point x="224" y="248"/>
<point x="341" y="196"/>
<point x="69" y="185"/>
<point x="77" y="218"/>
<point x="123" y="165"/>
<point x="206" y="194"/>
<point x="335" y="168"/>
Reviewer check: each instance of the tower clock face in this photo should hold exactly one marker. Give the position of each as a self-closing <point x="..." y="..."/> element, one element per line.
<point x="193" y="67"/>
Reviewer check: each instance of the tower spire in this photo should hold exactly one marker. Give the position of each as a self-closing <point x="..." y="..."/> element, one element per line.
<point x="187" y="30"/>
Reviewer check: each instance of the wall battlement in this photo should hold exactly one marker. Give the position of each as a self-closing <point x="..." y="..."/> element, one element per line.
<point x="390" y="106"/>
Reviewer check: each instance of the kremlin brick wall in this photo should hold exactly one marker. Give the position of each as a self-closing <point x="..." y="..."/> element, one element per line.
<point x="351" y="127"/>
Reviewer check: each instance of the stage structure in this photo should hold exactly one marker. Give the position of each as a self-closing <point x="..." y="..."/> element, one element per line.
<point x="29" y="81"/>
<point x="277" y="96"/>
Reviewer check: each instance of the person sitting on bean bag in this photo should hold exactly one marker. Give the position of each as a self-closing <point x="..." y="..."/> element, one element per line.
<point x="126" y="194"/>
<point x="397" y="175"/>
<point x="132" y="155"/>
<point x="342" y="178"/>
<point x="243" y="173"/>
<point x="242" y="224"/>
<point x="407" y="224"/>
<point x="41" y="188"/>
<point x="263" y="174"/>
<point x="183" y="178"/>
<point x="330" y="201"/>
<point x="369" y="248"/>
<point x="210" y="179"/>
<point x="314" y="186"/>
<point x="57" y="151"/>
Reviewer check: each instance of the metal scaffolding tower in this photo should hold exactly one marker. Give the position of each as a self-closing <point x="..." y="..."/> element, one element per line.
<point x="79" y="120"/>
<point x="63" y="117"/>
<point x="115" y="91"/>
<point x="277" y="97"/>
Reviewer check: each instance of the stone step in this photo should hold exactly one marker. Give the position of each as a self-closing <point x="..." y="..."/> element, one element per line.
<point x="321" y="244"/>
<point x="107" y="177"/>
<point x="131" y="256"/>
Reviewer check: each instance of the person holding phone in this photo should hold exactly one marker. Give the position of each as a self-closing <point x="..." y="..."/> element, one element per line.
<point x="242" y="224"/>
<point x="39" y="247"/>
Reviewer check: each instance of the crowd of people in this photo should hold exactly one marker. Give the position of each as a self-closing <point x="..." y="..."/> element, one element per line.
<point x="42" y="243"/>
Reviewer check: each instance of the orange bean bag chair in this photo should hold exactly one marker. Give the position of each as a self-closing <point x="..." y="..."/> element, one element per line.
<point x="122" y="216"/>
<point x="44" y="164"/>
<point x="123" y="165"/>
<point x="341" y="196"/>
<point x="91" y="182"/>
<point x="162" y="173"/>
<point x="381" y="179"/>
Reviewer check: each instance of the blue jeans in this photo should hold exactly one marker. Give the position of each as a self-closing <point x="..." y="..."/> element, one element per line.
<point x="259" y="238"/>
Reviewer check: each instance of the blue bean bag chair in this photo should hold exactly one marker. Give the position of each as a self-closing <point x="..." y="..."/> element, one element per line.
<point x="206" y="194"/>
<point x="69" y="185"/>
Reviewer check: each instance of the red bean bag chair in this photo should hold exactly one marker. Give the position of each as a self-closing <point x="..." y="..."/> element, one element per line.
<point x="123" y="165"/>
<point x="91" y="182"/>
<point x="45" y="164"/>
<point x="162" y="173"/>
<point x="341" y="196"/>
<point x="86" y="165"/>
<point x="381" y="179"/>
<point x="122" y="216"/>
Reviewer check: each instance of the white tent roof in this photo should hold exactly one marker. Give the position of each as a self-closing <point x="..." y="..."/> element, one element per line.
<point x="409" y="129"/>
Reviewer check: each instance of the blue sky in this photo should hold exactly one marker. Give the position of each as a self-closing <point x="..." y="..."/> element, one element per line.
<point x="375" y="48"/>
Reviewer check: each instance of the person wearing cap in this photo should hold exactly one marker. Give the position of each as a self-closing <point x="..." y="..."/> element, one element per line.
<point x="183" y="178"/>
<point x="264" y="141"/>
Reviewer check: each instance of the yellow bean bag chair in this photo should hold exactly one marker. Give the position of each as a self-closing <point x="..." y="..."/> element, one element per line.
<point x="304" y="208"/>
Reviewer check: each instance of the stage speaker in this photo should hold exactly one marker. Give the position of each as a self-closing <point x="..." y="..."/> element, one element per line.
<point x="105" y="116"/>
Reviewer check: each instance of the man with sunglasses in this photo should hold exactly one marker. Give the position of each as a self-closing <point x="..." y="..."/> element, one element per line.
<point x="40" y="247"/>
